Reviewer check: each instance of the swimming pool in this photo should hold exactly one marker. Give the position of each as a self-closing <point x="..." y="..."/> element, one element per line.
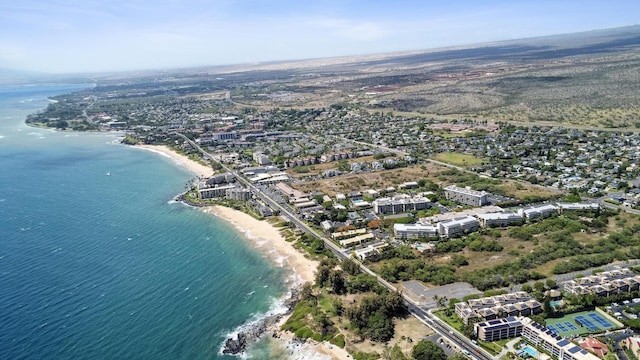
<point x="530" y="351"/>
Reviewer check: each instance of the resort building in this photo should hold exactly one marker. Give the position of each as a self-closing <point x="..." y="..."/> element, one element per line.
<point x="466" y="196"/>
<point x="238" y="194"/>
<point x="605" y="283"/>
<point x="562" y="207"/>
<point x="214" y="192"/>
<point x="458" y="227"/>
<point x="412" y="231"/>
<point x="494" y="330"/>
<point x="270" y="178"/>
<point x="557" y="346"/>
<point x="261" y="159"/>
<point x="538" y="212"/>
<point x="290" y="192"/>
<point x="400" y="205"/>
<point x="501" y="219"/>
<point x="536" y="334"/>
<point x="222" y="136"/>
<point x="499" y="306"/>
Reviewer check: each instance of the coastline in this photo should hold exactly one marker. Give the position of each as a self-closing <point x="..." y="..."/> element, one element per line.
<point x="265" y="238"/>
<point x="196" y="168"/>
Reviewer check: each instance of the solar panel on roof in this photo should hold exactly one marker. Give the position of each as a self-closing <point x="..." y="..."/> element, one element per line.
<point x="511" y="318"/>
<point x="574" y="349"/>
<point x="563" y="342"/>
<point x="493" y="322"/>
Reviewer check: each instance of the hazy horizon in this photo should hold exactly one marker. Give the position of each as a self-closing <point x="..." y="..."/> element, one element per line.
<point x="57" y="37"/>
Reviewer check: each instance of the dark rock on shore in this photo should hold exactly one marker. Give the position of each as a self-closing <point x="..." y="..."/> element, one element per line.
<point x="244" y="338"/>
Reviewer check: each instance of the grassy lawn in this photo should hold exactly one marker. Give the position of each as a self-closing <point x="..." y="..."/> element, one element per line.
<point x="458" y="159"/>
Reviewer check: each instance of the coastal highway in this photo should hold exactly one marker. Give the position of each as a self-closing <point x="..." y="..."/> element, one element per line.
<point x="338" y="251"/>
<point x="464" y="344"/>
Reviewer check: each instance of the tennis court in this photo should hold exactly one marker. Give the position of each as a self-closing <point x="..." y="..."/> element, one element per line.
<point x="580" y="323"/>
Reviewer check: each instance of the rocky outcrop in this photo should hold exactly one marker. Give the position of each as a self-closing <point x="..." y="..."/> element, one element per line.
<point x="238" y="344"/>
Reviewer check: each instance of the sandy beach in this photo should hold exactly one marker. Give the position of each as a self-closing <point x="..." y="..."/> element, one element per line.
<point x="266" y="238"/>
<point x="198" y="169"/>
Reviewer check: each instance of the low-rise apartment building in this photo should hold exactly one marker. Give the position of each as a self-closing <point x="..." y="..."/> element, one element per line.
<point x="498" y="329"/>
<point x="538" y="212"/>
<point x="458" y="227"/>
<point x="501" y="219"/>
<point x="500" y="306"/>
<point x="400" y="205"/>
<point x="413" y="231"/>
<point x="466" y="195"/>
<point x="605" y="283"/>
<point x="557" y="346"/>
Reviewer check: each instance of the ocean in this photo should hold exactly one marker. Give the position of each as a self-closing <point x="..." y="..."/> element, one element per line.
<point x="98" y="262"/>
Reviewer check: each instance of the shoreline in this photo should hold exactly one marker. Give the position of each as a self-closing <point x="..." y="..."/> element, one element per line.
<point x="267" y="239"/>
<point x="202" y="171"/>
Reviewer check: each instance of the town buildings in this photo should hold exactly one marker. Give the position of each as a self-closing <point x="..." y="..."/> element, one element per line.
<point x="400" y="204"/>
<point x="500" y="306"/>
<point x="536" y="334"/>
<point x="466" y="195"/>
<point x="604" y="283"/>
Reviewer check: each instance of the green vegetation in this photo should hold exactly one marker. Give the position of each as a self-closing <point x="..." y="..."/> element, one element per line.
<point x="458" y="159"/>
<point x="372" y="317"/>
<point x="426" y="350"/>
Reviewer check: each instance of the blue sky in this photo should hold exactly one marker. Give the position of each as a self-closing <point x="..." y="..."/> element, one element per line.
<point x="69" y="36"/>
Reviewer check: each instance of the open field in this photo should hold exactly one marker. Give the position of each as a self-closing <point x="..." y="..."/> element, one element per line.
<point x="386" y="178"/>
<point x="458" y="159"/>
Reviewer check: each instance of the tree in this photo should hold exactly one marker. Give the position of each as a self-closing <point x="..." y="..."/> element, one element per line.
<point x="350" y="267"/>
<point x="546" y="306"/>
<point x="551" y="284"/>
<point x="336" y="282"/>
<point x="426" y="350"/>
<point x="379" y="327"/>
<point x="393" y="353"/>
<point x="458" y="356"/>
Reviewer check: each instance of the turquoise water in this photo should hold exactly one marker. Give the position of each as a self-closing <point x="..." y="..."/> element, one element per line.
<point x="529" y="351"/>
<point x="108" y="267"/>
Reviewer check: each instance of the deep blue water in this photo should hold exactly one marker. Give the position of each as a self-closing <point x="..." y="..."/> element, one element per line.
<point x="107" y="267"/>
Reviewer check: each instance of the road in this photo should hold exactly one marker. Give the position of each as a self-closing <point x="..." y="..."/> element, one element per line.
<point x="421" y="313"/>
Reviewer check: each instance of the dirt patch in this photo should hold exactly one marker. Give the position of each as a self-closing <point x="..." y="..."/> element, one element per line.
<point x="408" y="332"/>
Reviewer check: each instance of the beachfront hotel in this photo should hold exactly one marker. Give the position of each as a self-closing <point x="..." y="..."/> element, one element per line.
<point x="536" y="334"/>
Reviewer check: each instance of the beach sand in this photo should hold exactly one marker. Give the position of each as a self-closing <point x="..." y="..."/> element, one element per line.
<point x="267" y="238"/>
<point x="198" y="169"/>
